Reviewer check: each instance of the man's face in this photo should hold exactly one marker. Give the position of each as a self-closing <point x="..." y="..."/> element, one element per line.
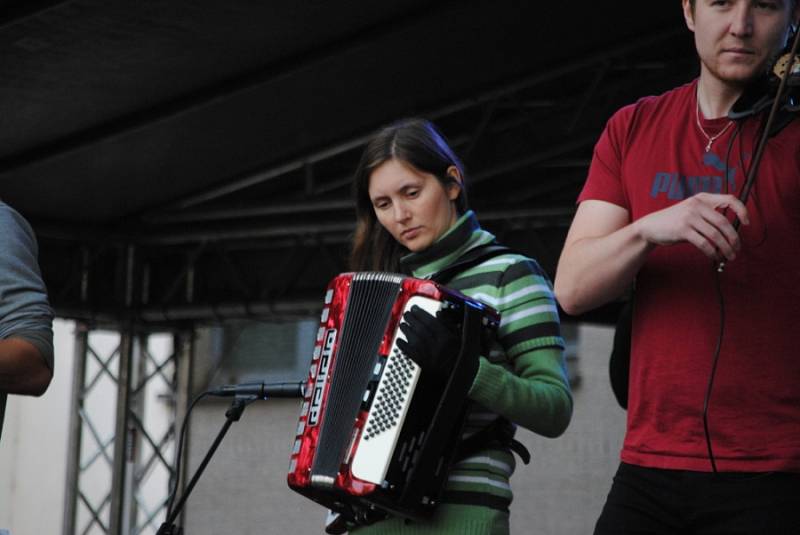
<point x="736" y="38"/>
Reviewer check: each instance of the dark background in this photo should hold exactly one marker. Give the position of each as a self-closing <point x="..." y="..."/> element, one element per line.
<point x="191" y="159"/>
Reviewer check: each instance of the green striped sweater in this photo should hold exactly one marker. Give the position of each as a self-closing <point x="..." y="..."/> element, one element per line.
<point x="522" y="379"/>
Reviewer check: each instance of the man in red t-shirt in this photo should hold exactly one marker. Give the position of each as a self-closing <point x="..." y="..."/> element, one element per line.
<point x="657" y="209"/>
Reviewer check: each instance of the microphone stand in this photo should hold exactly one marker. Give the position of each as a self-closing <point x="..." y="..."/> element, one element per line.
<point x="233" y="414"/>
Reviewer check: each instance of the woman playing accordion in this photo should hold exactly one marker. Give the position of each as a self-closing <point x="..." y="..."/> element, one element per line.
<point x="412" y="218"/>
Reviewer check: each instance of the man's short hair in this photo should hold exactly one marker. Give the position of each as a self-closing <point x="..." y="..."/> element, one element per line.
<point x="794" y="3"/>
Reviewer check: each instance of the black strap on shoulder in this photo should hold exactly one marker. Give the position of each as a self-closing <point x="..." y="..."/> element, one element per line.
<point x="620" y="362"/>
<point x="499" y="433"/>
<point x="470" y="259"/>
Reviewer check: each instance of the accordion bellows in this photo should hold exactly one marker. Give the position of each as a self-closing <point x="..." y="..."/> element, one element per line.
<point x="376" y="434"/>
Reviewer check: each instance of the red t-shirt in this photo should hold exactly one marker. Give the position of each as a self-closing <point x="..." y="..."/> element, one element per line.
<point x="651" y="156"/>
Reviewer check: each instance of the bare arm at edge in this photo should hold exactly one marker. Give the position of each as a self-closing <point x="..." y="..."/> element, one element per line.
<point x="604" y="250"/>
<point x="23" y="370"/>
<point x="601" y="256"/>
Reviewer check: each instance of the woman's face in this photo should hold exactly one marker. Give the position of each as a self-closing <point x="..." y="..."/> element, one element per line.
<point x="414" y="207"/>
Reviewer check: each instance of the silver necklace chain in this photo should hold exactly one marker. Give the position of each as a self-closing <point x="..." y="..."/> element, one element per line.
<point x="713" y="138"/>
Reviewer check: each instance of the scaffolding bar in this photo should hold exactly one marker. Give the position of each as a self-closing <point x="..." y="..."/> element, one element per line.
<point x="75" y="427"/>
<point x="119" y="507"/>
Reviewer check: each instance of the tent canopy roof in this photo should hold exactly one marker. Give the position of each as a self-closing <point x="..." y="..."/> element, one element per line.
<point x="207" y="134"/>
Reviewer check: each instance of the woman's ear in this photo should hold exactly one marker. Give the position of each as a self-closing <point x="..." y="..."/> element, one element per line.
<point x="454" y="185"/>
<point x="454" y="173"/>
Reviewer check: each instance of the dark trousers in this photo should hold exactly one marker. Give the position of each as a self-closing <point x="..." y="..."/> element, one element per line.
<point x="651" y="501"/>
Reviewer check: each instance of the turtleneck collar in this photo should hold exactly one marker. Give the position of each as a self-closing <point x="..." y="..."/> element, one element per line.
<point x="464" y="235"/>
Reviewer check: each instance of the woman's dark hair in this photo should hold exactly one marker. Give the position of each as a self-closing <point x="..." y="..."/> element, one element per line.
<point x="418" y="143"/>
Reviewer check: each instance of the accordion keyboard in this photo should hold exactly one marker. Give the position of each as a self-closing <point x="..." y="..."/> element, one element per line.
<point x="388" y="411"/>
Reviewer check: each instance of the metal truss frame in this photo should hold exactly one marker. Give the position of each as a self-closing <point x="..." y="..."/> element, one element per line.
<point x="520" y="94"/>
<point x="127" y="453"/>
<point x="215" y="235"/>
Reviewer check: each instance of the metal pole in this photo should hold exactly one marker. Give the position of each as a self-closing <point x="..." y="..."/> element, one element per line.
<point x="119" y="500"/>
<point x="75" y="428"/>
<point x="123" y="443"/>
<point x="184" y="351"/>
<point x="137" y="410"/>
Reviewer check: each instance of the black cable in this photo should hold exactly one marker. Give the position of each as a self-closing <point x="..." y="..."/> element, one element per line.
<point x="762" y="134"/>
<point x="714" y="362"/>
<point x="179" y="446"/>
<point x="721" y="302"/>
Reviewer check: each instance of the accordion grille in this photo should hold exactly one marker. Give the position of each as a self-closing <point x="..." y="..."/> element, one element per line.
<point x="369" y="305"/>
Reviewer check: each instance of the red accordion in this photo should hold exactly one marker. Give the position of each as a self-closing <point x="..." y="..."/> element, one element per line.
<point x="376" y="434"/>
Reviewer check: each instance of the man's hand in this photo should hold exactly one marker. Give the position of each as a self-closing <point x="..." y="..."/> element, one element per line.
<point x="699" y="221"/>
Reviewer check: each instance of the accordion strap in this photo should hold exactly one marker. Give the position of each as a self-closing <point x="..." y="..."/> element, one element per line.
<point x="498" y="433"/>
<point x="470" y="259"/>
<point x="501" y="431"/>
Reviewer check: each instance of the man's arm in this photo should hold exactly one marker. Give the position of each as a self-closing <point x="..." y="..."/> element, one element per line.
<point x="604" y="251"/>
<point x="23" y="369"/>
<point x="26" y="335"/>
